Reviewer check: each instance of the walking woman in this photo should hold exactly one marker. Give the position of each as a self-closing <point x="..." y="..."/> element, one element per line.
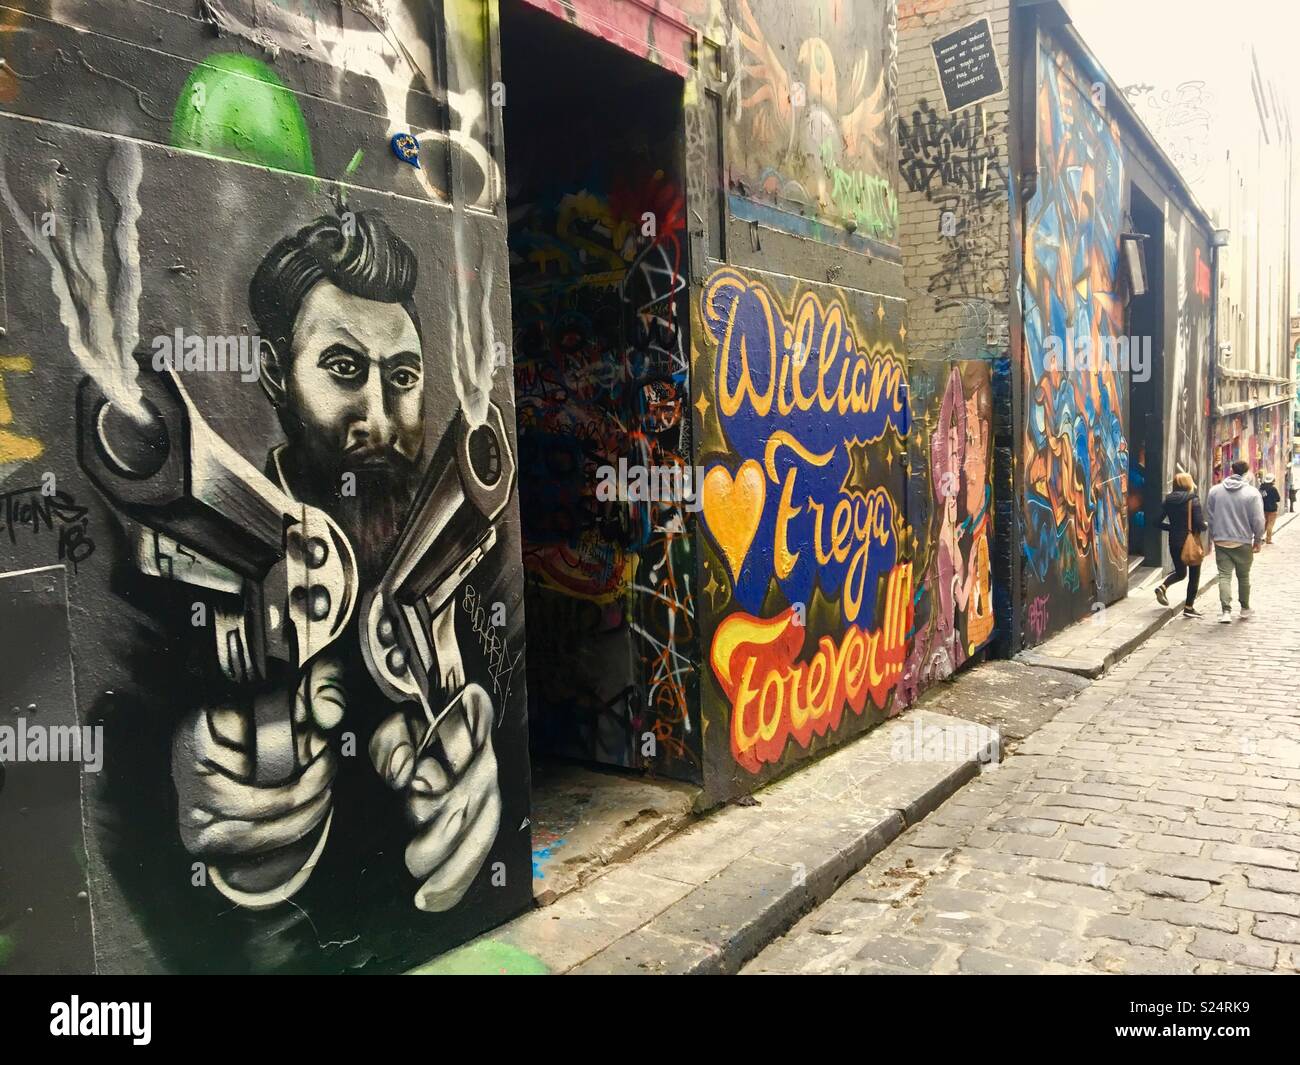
<point x="1272" y="498"/>
<point x="1183" y="517"/>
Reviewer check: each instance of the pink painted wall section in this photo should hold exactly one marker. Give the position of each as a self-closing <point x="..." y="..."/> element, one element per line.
<point x="652" y="29"/>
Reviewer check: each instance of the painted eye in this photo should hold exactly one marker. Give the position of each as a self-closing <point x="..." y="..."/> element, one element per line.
<point x="404" y="378"/>
<point x="344" y="367"/>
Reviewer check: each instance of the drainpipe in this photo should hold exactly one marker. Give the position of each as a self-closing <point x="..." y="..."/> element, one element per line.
<point x="1217" y="243"/>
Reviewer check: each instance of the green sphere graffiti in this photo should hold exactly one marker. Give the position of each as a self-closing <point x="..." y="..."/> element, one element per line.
<point x="236" y="107"/>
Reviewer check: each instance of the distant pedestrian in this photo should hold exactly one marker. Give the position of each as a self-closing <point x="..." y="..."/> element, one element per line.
<point x="1269" y="493"/>
<point x="1183" y="519"/>
<point x="1235" y="513"/>
<point x="1290" y="489"/>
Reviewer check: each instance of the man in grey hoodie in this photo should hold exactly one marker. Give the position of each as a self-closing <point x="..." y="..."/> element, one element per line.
<point x="1235" y="513"/>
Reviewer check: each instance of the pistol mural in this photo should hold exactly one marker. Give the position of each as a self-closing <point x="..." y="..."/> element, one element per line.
<point x="313" y="760"/>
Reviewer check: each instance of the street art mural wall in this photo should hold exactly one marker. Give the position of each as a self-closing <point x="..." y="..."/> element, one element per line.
<point x="1258" y="436"/>
<point x="1188" y="365"/>
<point x="1073" y="449"/>
<point x="254" y="430"/>
<point x="801" y="392"/>
<point x="598" y="287"/>
<point x="810" y="127"/>
<point x="950" y="514"/>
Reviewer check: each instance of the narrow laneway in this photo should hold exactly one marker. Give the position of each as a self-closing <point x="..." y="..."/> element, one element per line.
<point x="1153" y="826"/>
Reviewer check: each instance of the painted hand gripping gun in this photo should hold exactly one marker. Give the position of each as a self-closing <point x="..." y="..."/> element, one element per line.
<point x="205" y="516"/>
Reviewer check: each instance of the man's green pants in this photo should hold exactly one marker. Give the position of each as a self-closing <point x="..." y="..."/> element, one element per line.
<point x="1234" y="560"/>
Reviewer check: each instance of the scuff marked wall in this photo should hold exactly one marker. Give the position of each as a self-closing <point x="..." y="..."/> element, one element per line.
<point x="314" y="744"/>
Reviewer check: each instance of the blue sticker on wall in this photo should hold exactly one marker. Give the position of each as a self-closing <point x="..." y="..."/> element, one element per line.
<point x="406" y="148"/>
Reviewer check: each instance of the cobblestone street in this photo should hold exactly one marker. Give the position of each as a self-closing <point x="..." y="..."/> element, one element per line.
<point x="1153" y="826"/>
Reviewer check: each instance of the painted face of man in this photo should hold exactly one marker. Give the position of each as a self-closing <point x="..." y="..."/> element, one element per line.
<point x="355" y="380"/>
<point x="355" y="390"/>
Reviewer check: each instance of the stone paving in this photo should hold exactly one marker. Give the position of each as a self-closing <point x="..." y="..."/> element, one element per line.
<point x="1153" y="826"/>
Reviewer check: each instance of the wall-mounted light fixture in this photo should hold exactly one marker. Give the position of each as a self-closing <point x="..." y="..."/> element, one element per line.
<point x="1131" y="253"/>
<point x="1221" y="237"/>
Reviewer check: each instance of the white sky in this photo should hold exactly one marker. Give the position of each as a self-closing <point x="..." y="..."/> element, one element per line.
<point x="1165" y="43"/>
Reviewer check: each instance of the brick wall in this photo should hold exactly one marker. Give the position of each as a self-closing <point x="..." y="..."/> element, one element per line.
<point x="953" y="214"/>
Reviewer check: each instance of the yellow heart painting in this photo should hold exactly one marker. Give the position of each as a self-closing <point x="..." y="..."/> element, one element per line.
<point x="733" y="508"/>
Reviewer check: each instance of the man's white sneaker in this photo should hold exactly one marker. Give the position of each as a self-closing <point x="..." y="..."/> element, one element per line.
<point x="1246" y="613"/>
<point x="1225" y="617"/>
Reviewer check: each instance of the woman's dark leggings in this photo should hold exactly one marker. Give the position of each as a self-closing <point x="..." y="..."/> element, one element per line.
<point x="1193" y="575"/>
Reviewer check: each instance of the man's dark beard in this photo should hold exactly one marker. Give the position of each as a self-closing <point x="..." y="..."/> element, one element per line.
<point x="371" y="519"/>
<point x="385" y="483"/>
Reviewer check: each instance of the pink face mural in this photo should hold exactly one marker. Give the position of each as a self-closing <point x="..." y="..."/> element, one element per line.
<point x="953" y="557"/>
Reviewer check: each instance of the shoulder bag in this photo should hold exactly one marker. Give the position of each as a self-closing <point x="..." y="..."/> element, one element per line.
<point x="1193" y="553"/>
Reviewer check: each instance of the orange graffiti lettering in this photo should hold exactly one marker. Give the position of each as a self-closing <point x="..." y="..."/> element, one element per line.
<point x="775" y="697"/>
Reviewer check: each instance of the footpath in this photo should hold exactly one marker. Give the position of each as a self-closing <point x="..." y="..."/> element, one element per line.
<point x="1153" y="826"/>
<point x="1149" y="815"/>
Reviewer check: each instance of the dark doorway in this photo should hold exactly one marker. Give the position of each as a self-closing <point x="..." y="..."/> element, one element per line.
<point x="1145" y="374"/>
<point x="597" y="240"/>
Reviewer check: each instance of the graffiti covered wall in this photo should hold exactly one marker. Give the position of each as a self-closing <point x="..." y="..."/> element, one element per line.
<point x="807" y="582"/>
<point x="1259" y="436"/>
<point x="1073" y="452"/>
<point x="954" y="193"/>
<point x="250" y="409"/>
<point x="1188" y="359"/>
<point x="950" y="517"/>
<point x="809" y="115"/>
<point x="598" y="288"/>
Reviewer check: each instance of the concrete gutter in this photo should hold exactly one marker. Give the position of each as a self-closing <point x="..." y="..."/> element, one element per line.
<point x="707" y="899"/>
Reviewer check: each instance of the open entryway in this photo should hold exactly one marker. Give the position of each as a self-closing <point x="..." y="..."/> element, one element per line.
<point x="597" y="239"/>
<point x="1145" y="388"/>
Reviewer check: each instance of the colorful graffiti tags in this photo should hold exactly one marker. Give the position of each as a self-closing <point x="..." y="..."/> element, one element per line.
<point x="810" y="115"/>
<point x="600" y="375"/>
<point x="1073" y="451"/>
<point x="801" y="509"/>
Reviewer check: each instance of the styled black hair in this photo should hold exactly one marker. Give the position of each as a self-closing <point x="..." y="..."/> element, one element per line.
<point x="1241" y="467"/>
<point x="358" y="253"/>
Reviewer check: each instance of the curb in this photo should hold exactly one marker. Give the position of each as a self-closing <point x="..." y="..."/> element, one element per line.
<point x="708" y="899"/>
<point x="1093" y="667"/>
<point x="725" y="923"/>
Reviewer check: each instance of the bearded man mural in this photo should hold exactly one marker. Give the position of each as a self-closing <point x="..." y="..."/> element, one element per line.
<point x="346" y="750"/>
<point x="342" y="364"/>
